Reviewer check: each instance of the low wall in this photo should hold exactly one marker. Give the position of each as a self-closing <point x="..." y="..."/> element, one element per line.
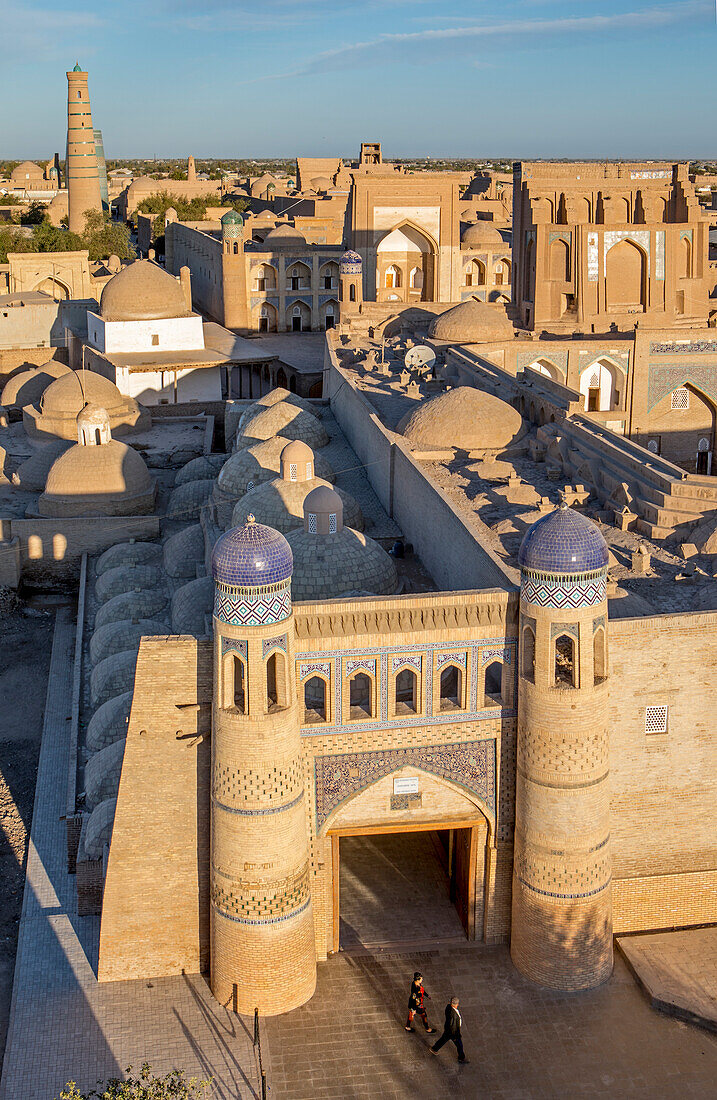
<point x="52" y="549"/>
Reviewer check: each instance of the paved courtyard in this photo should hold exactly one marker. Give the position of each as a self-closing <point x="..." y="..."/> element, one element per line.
<point x="393" y="889"/>
<point x="523" y="1043"/>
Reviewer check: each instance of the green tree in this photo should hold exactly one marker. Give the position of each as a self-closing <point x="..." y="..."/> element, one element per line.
<point x="144" y="1086"/>
<point x="103" y="237"/>
<point x="34" y="215"/>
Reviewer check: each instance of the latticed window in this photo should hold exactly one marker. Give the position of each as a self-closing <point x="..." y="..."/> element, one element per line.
<point x="332" y="523"/>
<point x="680" y="398"/>
<point x="656" y="719"/>
<point x="312" y="523"/>
<point x="293" y="471"/>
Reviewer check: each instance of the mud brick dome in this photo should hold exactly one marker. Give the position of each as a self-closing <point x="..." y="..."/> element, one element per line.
<point x="142" y="292"/>
<point x="471" y="322"/>
<point x="481" y="235"/>
<point x="464" y="418"/>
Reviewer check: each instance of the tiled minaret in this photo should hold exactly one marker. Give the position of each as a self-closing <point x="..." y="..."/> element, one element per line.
<point x="561" y="929"/>
<point x="83" y="181"/>
<point x="262" y="930"/>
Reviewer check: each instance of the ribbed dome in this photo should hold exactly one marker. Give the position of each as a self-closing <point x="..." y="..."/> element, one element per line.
<point x="143" y="291"/>
<point x="465" y="418"/>
<point x="563" y="542"/>
<point x="481" y="235"/>
<point x="284" y="236"/>
<point x="68" y="394"/>
<point x="472" y="322"/>
<point x="285" y="420"/>
<point x="107" y="480"/>
<point x="327" y="566"/>
<point x="251" y="556"/>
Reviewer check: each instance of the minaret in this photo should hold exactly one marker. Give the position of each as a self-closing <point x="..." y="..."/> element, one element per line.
<point x="83" y="182"/>
<point x="263" y="951"/>
<point x="191" y="170"/>
<point x="350" y="284"/>
<point x="561" y="930"/>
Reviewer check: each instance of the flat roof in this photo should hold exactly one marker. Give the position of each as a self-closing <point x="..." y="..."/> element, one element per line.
<point x="233" y="347"/>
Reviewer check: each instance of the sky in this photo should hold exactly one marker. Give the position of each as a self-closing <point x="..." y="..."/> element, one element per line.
<point x="463" y="78"/>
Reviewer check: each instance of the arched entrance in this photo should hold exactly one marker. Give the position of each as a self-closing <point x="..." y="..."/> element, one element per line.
<point x="626" y="277"/>
<point x="405" y="259"/>
<point x="684" y="421"/>
<point x="599" y="386"/>
<point x="410" y="857"/>
<point x="54" y="289"/>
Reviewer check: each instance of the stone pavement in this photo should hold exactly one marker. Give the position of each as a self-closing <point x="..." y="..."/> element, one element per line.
<point x="393" y="888"/>
<point x="63" y="1024"/>
<point x="523" y="1042"/>
<point x="678" y="971"/>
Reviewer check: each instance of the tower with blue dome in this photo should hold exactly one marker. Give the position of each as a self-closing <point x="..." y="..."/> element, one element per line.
<point x="261" y="923"/>
<point x="350" y="283"/>
<point x="561" y="927"/>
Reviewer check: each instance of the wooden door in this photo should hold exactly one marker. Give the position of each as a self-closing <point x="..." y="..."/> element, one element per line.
<point x="463" y="878"/>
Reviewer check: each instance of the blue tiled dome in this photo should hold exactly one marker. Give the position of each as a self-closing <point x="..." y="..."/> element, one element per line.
<point x="251" y="556"/>
<point x="563" y="542"/>
<point x="350" y="262"/>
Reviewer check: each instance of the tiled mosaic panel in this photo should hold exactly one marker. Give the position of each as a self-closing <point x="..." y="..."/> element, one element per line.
<point x="470" y="765"/>
<point x="664" y="380"/>
<point x="262" y="902"/>
<point x="563" y="597"/>
<point x="273" y="643"/>
<point x="241" y="610"/>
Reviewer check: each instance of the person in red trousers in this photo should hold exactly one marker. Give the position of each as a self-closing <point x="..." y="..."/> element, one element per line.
<point x="416" y="1007"/>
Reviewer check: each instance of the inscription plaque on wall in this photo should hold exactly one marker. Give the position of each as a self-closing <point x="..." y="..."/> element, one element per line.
<point x="405" y="784"/>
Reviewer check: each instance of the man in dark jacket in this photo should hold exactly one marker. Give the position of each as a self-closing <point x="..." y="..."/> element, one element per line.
<point x="451" y="1031"/>
<point x="416" y="1006"/>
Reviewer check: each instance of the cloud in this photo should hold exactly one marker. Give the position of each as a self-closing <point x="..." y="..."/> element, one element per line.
<point x="393" y="47"/>
<point x="29" y="30"/>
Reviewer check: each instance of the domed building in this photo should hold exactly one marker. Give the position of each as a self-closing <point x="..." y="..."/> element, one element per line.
<point x="284" y="236"/>
<point x="146" y="337"/>
<point x="55" y="416"/>
<point x="274" y="397"/>
<point x="330" y="559"/>
<point x="564" y="541"/>
<point x="465" y="419"/>
<point x="252" y="466"/>
<point x="142" y="291"/>
<point x="99" y="476"/>
<point x="472" y="322"/>
<point x="284" y="420"/>
<point x="27" y="386"/>
<point x="481" y="235"/>
<point x="280" y="503"/>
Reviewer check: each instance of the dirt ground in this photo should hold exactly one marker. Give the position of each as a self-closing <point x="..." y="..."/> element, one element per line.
<point x="25" y="644"/>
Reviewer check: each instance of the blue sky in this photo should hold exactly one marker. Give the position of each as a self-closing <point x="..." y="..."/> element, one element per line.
<point x="587" y="78"/>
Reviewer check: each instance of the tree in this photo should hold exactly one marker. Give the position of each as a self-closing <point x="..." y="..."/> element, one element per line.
<point x="34" y="215"/>
<point x="145" y="1086"/>
<point x="102" y="237"/>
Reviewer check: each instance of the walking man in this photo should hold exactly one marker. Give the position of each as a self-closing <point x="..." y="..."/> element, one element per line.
<point x="452" y="1031"/>
<point x="416" y="1006"/>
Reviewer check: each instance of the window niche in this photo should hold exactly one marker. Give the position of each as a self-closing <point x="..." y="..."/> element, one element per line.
<point x="405" y="692"/>
<point x="315" y="694"/>
<point x="360" y="697"/>
<point x="565" y="662"/>
<point x="451" y="688"/>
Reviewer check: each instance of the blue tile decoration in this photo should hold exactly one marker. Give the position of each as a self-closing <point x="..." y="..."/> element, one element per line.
<point x="679" y="347"/>
<point x="251" y="556"/>
<point x="350" y="263"/>
<point x="563" y="542"/>
<point x="253" y="607"/>
<point x="268" y="644"/>
<point x="425" y="653"/>
<point x="468" y="764"/>
<point x="663" y="380"/>
<point x="544" y="592"/>
<point x="234" y="645"/>
<point x="263" y="920"/>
